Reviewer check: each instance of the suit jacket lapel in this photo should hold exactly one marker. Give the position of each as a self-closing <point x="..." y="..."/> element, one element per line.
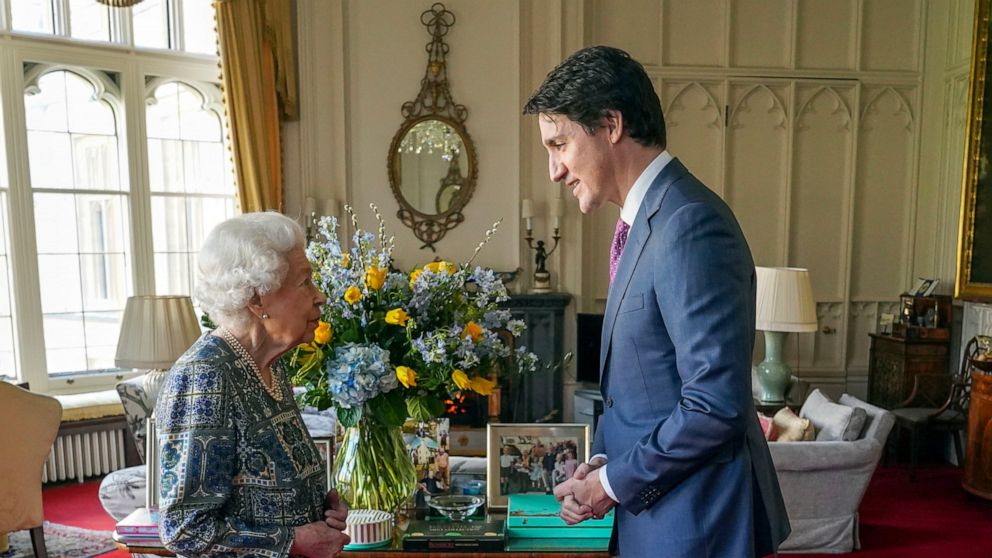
<point x="636" y="239"/>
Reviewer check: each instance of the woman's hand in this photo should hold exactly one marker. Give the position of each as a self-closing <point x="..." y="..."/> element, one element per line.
<point x="335" y="511"/>
<point x="318" y="540"/>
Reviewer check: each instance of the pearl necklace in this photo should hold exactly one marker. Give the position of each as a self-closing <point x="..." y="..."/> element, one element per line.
<point x="243" y="354"/>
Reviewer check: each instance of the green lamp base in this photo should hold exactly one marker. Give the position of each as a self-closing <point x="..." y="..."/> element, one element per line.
<point x="774" y="375"/>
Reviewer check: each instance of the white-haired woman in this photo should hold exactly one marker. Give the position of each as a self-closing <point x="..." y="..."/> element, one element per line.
<point x="240" y="474"/>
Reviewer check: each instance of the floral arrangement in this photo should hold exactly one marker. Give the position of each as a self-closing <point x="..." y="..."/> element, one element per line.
<point x="393" y="345"/>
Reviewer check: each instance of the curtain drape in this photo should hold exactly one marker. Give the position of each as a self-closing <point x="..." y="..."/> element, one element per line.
<point x="258" y="74"/>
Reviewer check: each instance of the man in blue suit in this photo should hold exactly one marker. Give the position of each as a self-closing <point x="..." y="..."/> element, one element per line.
<point x="678" y="448"/>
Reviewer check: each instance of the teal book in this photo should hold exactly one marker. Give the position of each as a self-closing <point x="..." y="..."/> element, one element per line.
<point x="535" y="516"/>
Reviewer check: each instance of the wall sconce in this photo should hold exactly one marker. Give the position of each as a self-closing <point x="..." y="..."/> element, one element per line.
<point x="314" y="209"/>
<point x="542" y="277"/>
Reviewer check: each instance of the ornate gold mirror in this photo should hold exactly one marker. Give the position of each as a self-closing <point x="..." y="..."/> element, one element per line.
<point x="432" y="162"/>
<point x="974" y="277"/>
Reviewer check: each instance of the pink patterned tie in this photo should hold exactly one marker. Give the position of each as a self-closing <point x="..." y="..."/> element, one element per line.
<point x="616" y="249"/>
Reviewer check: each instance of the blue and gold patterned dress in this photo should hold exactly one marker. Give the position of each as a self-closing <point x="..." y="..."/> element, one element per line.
<point x="239" y="470"/>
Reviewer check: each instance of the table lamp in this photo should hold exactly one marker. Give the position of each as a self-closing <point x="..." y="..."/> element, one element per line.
<point x="155" y="331"/>
<point x="784" y="304"/>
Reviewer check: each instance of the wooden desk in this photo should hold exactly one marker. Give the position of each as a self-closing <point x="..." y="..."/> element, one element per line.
<point x="137" y="549"/>
<point x="894" y="362"/>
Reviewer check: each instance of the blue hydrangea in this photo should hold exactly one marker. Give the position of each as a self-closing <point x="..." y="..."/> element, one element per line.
<point x="357" y="373"/>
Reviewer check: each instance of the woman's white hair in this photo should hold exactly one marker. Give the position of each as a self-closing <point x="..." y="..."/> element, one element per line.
<point x="241" y="257"/>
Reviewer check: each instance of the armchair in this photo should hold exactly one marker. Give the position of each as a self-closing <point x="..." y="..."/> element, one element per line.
<point x="30" y="424"/>
<point x="823" y="483"/>
<point x="921" y="413"/>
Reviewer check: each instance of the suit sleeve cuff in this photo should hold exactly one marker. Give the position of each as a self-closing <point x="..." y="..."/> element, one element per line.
<point x="605" y="481"/>
<point x="602" y="455"/>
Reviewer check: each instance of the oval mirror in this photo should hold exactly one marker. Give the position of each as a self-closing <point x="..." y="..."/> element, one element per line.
<point x="432" y="162"/>
<point x="431" y="165"/>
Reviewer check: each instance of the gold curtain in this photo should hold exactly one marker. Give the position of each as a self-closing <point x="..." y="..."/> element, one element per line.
<point x="258" y="73"/>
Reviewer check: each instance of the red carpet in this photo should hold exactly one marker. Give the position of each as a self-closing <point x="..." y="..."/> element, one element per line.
<point x="79" y="505"/>
<point x="929" y="518"/>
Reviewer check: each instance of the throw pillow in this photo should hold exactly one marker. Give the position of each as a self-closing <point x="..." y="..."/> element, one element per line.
<point x="833" y="422"/>
<point x="790" y="428"/>
<point x="767" y="427"/>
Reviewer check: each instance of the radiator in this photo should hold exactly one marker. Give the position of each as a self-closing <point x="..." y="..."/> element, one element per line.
<point x="87" y="454"/>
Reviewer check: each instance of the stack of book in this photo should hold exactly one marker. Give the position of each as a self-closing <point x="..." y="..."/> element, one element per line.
<point x="140" y="529"/>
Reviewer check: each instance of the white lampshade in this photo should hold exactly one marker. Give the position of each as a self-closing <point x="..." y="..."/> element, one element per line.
<point x="155" y="331"/>
<point x="784" y="300"/>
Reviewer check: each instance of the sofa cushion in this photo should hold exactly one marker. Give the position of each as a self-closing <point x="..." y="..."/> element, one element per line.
<point x="767" y="427"/>
<point x="834" y="422"/>
<point x="123" y="491"/>
<point x="92" y="405"/>
<point x="790" y="428"/>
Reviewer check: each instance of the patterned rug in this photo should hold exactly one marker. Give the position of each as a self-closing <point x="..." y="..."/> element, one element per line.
<point x="62" y="541"/>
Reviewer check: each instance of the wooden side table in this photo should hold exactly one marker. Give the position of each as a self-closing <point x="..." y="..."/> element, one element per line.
<point x="894" y="362"/>
<point x="978" y="459"/>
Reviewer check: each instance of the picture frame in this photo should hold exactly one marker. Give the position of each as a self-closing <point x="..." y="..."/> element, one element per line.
<point x="514" y="452"/>
<point x="325" y="446"/>
<point x="974" y="258"/>
<point x="426" y="443"/>
<point x="924" y="287"/>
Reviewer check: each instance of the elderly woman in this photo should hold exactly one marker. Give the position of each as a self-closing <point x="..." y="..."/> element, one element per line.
<point x="240" y="474"/>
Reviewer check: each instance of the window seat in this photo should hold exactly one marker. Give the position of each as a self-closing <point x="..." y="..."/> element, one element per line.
<point x="93" y="405"/>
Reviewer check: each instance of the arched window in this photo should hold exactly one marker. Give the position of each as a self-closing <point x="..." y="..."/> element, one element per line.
<point x="81" y="216"/>
<point x="190" y="177"/>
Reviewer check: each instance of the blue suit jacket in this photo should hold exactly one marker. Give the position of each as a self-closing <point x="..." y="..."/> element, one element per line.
<point x="687" y="459"/>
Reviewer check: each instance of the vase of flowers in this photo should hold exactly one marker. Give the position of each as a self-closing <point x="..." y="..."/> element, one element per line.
<point x="393" y="345"/>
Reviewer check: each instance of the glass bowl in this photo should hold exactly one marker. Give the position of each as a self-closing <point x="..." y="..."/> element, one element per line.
<point x="456" y="507"/>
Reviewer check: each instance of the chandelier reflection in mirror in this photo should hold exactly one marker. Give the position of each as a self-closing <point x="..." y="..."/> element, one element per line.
<point x="430" y="137"/>
<point x="432" y="161"/>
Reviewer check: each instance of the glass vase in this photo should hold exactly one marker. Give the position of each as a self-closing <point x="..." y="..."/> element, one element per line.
<point x="372" y="469"/>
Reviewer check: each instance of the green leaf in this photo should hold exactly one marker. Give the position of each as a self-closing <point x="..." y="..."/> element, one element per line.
<point x="349" y="417"/>
<point x="389" y="408"/>
<point x="424" y="407"/>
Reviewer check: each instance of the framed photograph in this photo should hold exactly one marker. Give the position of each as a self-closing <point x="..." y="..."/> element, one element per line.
<point x="531" y="458"/>
<point x="325" y="445"/>
<point x="427" y="444"/>
<point x="923" y="286"/>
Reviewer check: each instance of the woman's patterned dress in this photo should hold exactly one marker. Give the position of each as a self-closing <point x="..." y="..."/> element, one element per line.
<point x="238" y="469"/>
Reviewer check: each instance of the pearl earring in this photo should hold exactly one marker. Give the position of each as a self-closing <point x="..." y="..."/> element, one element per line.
<point x="265" y="316"/>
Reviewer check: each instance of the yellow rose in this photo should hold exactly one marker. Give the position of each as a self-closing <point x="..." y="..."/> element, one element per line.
<point x="482" y="386"/>
<point x="441" y="266"/>
<point x="375" y="277"/>
<point x="353" y="294"/>
<point x="323" y="332"/>
<point x="413" y="276"/>
<point x="406" y="376"/>
<point x="461" y="379"/>
<point x="472" y="330"/>
<point x="345" y="260"/>
<point x="397" y="316"/>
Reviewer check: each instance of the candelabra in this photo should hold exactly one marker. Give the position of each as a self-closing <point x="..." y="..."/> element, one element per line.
<point x="542" y="277"/>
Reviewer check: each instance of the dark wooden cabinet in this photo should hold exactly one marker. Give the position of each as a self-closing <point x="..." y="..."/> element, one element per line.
<point x="538" y="396"/>
<point x="893" y="362"/>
